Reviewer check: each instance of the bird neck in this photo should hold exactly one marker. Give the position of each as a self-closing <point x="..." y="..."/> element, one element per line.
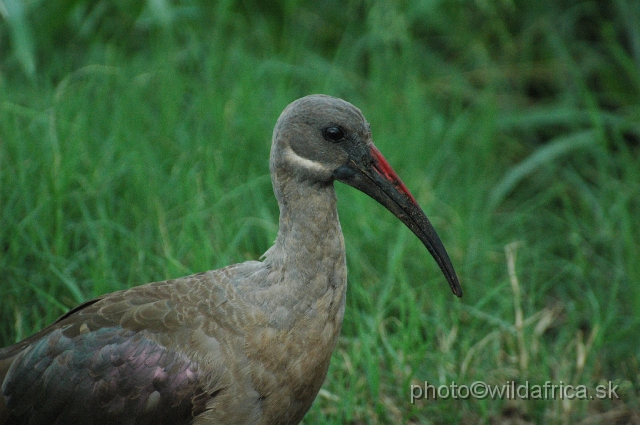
<point x="309" y="249"/>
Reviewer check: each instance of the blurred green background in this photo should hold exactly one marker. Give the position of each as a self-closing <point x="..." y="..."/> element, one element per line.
<point x="134" y="141"/>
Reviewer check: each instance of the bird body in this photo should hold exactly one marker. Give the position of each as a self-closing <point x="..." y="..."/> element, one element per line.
<point x="246" y="344"/>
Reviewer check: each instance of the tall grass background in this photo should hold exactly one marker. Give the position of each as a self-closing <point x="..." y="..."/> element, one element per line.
<point x="134" y="141"/>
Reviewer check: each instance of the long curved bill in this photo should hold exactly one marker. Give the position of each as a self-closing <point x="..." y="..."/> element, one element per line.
<point x="373" y="175"/>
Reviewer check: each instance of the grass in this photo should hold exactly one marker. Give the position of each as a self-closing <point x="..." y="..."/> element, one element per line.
<point x="126" y="159"/>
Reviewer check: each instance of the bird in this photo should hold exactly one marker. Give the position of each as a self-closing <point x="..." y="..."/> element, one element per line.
<point x="249" y="343"/>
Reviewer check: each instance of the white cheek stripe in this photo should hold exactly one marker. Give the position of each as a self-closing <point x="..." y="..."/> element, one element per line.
<point x="301" y="162"/>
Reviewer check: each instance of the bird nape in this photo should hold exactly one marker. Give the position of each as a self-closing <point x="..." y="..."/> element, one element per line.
<point x="246" y="344"/>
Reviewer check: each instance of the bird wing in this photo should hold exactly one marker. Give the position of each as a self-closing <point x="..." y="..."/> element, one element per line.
<point x="106" y="362"/>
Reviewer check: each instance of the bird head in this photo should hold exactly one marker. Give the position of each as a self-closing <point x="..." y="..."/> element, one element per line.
<point x="321" y="139"/>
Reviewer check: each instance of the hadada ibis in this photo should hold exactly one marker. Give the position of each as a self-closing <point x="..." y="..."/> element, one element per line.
<point x="246" y="344"/>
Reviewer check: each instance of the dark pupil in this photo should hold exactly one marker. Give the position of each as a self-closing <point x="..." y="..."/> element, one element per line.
<point x="334" y="133"/>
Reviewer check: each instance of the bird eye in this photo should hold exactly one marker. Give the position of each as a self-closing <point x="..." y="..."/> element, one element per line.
<point x="333" y="134"/>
